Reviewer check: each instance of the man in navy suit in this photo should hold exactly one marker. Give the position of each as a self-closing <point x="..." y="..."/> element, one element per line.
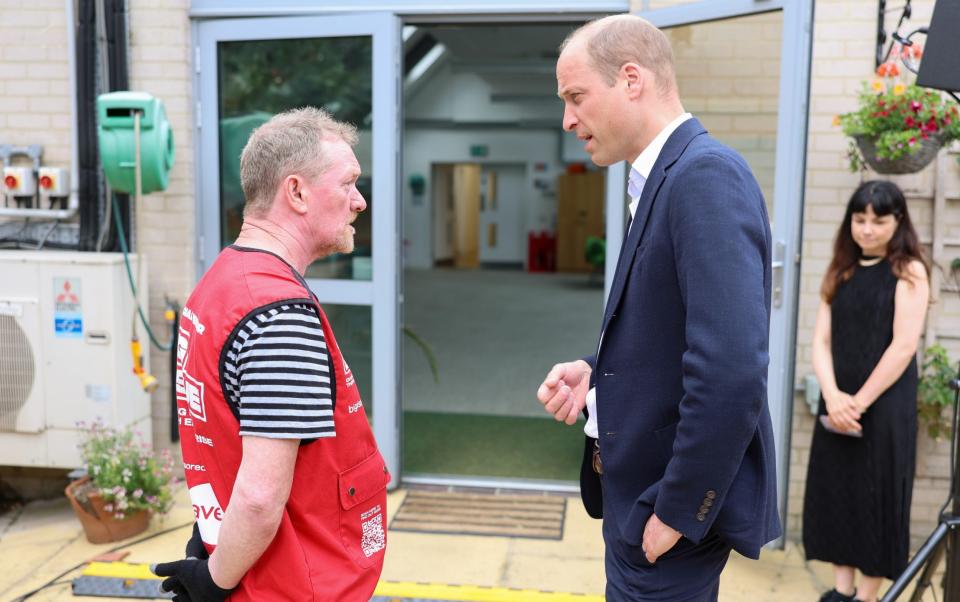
<point x="679" y="460"/>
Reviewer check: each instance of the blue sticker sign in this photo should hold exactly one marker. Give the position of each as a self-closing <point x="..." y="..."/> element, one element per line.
<point x="67" y="308"/>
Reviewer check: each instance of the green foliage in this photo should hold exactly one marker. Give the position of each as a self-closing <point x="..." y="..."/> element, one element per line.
<point x="898" y="118"/>
<point x="128" y="474"/>
<point x="596" y="251"/>
<point x="277" y="75"/>
<point x="934" y="393"/>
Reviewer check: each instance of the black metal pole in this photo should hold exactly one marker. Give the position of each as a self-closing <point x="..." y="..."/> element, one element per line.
<point x="951" y="581"/>
<point x="925" y="581"/>
<point x="945" y="538"/>
<point x="927" y="550"/>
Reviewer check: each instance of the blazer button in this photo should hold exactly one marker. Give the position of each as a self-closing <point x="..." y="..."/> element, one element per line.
<point x="704" y="510"/>
<point x="701" y="517"/>
<point x="707" y="502"/>
<point x="711" y="494"/>
<point x="351" y="491"/>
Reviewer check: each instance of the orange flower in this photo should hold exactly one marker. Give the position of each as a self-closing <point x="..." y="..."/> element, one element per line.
<point x="882" y="70"/>
<point x="836" y="120"/>
<point x="915" y="51"/>
<point x="893" y="70"/>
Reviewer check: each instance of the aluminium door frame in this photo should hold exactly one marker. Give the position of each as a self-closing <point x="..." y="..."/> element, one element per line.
<point x="382" y="292"/>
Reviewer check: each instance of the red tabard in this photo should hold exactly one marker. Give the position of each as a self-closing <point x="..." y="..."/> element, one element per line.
<point x="332" y="537"/>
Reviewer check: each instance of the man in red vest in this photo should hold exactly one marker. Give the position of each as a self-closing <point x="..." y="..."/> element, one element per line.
<point x="287" y="485"/>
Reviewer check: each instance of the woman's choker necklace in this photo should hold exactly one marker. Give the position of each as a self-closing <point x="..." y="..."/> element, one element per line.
<point x="869" y="260"/>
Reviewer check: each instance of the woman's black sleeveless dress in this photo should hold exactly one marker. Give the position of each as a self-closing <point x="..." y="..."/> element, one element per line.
<point x="856" y="509"/>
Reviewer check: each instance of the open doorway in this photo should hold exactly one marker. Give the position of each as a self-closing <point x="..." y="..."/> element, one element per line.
<point x="478" y="214"/>
<point x="492" y="191"/>
<point x="479" y="96"/>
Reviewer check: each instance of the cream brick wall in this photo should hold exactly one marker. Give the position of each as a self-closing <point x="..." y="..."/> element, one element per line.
<point x="35" y="78"/>
<point x="843" y="51"/>
<point x="728" y="75"/>
<point x="35" y="109"/>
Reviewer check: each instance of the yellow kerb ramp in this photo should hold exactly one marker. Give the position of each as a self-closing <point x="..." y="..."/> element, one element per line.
<point x="396" y="590"/>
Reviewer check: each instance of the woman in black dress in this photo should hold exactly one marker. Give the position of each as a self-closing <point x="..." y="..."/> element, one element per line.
<point x="874" y="297"/>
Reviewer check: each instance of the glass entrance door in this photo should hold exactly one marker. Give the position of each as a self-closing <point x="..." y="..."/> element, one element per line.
<point x="250" y="69"/>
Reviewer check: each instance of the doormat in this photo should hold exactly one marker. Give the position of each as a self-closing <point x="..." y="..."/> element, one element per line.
<point x="501" y="515"/>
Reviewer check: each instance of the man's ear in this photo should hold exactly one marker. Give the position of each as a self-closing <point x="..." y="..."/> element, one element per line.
<point x="293" y="193"/>
<point x="634" y="77"/>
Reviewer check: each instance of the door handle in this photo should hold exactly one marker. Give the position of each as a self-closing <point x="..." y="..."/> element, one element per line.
<point x="777" y="266"/>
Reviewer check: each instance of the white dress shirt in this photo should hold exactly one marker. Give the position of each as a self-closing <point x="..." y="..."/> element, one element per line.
<point x="639" y="172"/>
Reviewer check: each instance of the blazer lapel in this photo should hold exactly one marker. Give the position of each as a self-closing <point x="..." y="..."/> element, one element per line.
<point x="672" y="150"/>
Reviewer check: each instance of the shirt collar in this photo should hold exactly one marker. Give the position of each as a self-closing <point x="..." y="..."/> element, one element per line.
<point x="644" y="163"/>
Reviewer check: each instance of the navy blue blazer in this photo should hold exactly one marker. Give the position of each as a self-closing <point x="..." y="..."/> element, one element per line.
<point x="681" y="375"/>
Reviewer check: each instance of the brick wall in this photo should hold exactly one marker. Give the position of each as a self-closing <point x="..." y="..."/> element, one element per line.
<point x="728" y="75"/>
<point x="843" y="52"/>
<point x="35" y="78"/>
<point x="35" y="109"/>
<point x="160" y="63"/>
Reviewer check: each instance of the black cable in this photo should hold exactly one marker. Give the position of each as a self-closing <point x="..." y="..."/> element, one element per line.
<point x="53" y="581"/>
<point x="174" y="336"/>
<point x="30" y="243"/>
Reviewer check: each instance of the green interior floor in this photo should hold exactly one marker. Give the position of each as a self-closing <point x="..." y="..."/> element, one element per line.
<point x="491" y="446"/>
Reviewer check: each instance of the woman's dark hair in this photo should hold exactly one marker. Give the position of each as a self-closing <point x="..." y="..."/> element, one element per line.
<point x="885" y="198"/>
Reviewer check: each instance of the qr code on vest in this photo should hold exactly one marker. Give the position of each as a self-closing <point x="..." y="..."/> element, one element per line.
<point x="374" y="539"/>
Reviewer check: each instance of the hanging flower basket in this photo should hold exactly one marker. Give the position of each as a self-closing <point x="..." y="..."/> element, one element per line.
<point x="910" y="162"/>
<point x="898" y="126"/>
<point x="99" y="525"/>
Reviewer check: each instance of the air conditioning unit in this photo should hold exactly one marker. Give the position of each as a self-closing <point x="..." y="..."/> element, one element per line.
<point x="66" y="320"/>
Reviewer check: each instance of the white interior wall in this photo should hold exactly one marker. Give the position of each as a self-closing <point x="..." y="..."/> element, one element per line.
<point x="442" y="120"/>
<point x="424" y="147"/>
<point x="456" y="93"/>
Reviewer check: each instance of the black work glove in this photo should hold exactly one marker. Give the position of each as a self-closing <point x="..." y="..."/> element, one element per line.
<point x="190" y="581"/>
<point x="195" y="547"/>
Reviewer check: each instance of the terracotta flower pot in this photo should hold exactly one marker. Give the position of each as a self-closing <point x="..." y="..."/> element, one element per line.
<point x="99" y="525"/>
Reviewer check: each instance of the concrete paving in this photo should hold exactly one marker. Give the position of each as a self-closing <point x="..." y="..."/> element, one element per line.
<point x="43" y="541"/>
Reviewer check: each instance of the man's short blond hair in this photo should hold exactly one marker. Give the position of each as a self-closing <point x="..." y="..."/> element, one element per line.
<point x="289" y="143"/>
<point x="618" y="39"/>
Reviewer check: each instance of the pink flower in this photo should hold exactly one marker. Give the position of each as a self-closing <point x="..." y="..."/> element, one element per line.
<point x="915" y="106"/>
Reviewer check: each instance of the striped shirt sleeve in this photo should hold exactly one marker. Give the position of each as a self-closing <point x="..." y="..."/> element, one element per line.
<point x="277" y="373"/>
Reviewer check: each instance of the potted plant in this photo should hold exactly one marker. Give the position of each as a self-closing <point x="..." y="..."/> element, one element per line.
<point x="934" y="392"/>
<point x="898" y="127"/>
<point x="124" y="485"/>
